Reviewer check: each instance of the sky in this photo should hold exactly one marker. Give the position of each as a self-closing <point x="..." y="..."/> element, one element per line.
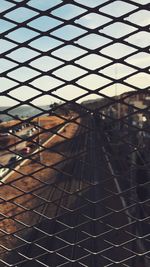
<point x="42" y="59"/>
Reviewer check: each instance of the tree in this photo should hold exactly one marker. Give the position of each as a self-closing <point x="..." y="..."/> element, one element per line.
<point x="53" y="107"/>
<point x="17" y="117"/>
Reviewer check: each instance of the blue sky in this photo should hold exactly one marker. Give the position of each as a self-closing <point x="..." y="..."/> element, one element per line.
<point x="59" y="70"/>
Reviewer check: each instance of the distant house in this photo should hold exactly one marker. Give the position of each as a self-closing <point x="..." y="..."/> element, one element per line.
<point x="138" y="99"/>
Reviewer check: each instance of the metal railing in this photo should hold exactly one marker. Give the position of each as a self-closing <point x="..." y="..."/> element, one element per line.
<point x="74" y="133"/>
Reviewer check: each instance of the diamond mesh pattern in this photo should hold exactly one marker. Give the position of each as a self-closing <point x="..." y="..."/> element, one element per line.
<point x="74" y="171"/>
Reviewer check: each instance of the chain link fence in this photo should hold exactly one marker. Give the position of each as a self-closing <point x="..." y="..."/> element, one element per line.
<point x="74" y="133"/>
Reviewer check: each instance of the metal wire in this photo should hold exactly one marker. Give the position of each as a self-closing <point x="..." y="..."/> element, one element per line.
<point x="81" y="196"/>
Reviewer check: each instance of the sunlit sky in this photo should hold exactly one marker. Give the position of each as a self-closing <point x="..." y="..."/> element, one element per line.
<point x="91" y="58"/>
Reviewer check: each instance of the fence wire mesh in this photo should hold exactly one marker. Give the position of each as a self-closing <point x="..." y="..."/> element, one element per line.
<point x="74" y="133"/>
